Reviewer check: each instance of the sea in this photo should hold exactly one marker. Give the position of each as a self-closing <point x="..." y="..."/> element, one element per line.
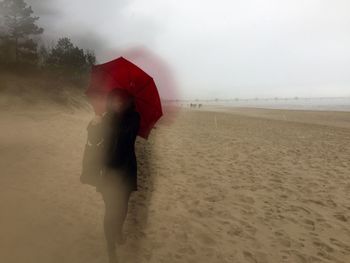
<point x="318" y="104"/>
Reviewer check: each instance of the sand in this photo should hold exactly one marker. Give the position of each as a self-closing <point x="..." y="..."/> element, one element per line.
<point x="237" y="186"/>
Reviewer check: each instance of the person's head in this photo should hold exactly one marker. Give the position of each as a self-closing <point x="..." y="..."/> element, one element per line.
<point x="119" y="100"/>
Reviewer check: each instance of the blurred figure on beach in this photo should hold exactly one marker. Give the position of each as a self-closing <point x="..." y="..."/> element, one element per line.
<point x="109" y="162"/>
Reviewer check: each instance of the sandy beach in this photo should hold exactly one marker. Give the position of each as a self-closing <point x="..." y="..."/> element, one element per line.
<point x="228" y="185"/>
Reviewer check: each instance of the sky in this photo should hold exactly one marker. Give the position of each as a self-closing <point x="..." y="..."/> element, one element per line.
<point x="218" y="49"/>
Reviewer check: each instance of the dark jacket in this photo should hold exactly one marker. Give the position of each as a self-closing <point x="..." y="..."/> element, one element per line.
<point x="94" y="151"/>
<point x="120" y="137"/>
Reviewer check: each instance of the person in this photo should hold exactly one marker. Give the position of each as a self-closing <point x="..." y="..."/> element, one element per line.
<point x="118" y="127"/>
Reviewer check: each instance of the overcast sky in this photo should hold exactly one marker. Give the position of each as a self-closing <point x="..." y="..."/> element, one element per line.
<point x="222" y="48"/>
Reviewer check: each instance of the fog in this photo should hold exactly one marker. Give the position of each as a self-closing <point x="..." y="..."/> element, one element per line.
<point x="219" y="49"/>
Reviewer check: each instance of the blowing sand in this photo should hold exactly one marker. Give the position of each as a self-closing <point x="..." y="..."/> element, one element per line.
<point x="236" y="186"/>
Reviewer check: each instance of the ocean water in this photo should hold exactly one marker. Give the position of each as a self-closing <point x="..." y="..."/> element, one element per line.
<point x="322" y="104"/>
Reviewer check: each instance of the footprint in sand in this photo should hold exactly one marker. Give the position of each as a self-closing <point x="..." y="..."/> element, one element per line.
<point x="235" y="231"/>
<point x="283" y="239"/>
<point x="206" y="239"/>
<point x="309" y="224"/>
<point x="340" y="244"/>
<point x="323" y="246"/>
<point x="341" y="217"/>
<point x="325" y="251"/>
<point x="189" y="250"/>
<point x="214" y="199"/>
<point x="246" y="199"/>
<point x="258" y="258"/>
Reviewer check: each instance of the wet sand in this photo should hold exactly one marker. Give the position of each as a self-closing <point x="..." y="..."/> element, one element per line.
<point x="237" y="185"/>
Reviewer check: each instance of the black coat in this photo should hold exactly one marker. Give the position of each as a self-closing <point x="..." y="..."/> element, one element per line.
<point x="120" y="136"/>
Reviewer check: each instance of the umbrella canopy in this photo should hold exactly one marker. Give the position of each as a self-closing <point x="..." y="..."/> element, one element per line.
<point x="122" y="74"/>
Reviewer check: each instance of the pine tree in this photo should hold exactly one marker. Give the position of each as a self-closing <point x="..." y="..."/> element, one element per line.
<point x="17" y="28"/>
<point x="68" y="61"/>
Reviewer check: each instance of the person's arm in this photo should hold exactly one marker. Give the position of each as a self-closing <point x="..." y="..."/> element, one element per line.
<point x="94" y="130"/>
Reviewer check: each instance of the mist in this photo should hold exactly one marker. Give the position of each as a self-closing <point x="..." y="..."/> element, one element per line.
<point x="226" y="49"/>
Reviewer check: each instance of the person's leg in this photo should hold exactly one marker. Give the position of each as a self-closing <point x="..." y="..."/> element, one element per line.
<point x="110" y="226"/>
<point x="123" y="205"/>
<point x="116" y="198"/>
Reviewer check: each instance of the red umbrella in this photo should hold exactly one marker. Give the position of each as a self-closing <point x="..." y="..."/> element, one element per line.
<point x="122" y="74"/>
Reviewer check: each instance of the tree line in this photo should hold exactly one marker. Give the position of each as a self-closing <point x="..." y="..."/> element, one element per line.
<point x="21" y="51"/>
